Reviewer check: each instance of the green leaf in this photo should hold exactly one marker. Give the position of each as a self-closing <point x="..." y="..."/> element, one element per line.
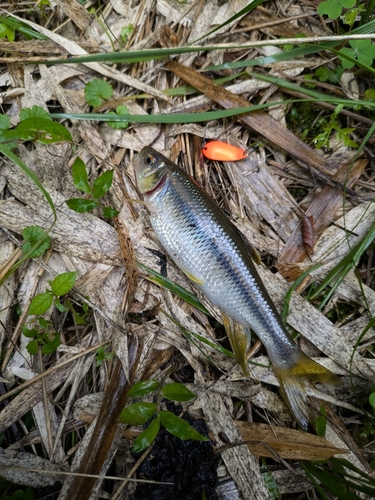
<point x="4" y="122"/>
<point x="63" y="283"/>
<point x="32" y="347"/>
<point x="345" y="63"/>
<point x="269" y="481"/>
<point x="96" y="91"/>
<point x="350" y="17"/>
<point x="120" y="110"/>
<point x="146" y="437"/>
<point x="26" y="494"/>
<point x="102" y="355"/>
<point x="177" y="392"/>
<point x="324" y="74"/>
<point x="102" y="184"/>
<point x="81" y="205"/>
<point x="138" y="413"/>
<point x="29" y="333"/>
<point x="109" y="212"/>
<point x="8" y="32"/>
<point x="142" y="388"/>
<point x="41" y="303"/>
<point x="52" y="343"/>
<point x="44" y="323"/>
<point x="179" y="427"/>
<point x="59" y="306"/>
<point x="34" y="112"/>
<point x="3" y="31"/>
<point x="372" y="399"/>
<point x="32" y="236"/>
<point x="332" y="8"/>
<point x="42" y="130"/>
<point x="126" y="31"/>
<point x="79" y="174"/>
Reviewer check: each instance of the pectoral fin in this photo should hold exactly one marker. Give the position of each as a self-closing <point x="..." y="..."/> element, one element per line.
<point x="239" y="338"/>
<point x="192" y="277"/>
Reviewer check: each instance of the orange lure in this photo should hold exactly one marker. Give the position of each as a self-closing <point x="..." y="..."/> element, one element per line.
<point x="222" y="151"/>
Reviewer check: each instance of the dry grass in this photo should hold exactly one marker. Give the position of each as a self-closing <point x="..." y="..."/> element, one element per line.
<point x="266" y="195"/>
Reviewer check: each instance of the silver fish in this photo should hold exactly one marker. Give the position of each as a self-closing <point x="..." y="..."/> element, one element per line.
<point x="211" y="251"/>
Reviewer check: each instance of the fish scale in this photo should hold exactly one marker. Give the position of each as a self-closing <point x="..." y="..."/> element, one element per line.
<point x="211" y="251"/>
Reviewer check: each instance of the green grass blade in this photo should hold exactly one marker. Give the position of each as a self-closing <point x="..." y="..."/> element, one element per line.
<point x="339" y="272"/>
<point x="261" y="61"/>
<point x="317" y="96"/>
<point x="335" y="481"/>
<point x="170" y="118"/>
<point x="178" y="290"/>
<point x="307" y="468"/>
<point x="21" y="28"/>
<point x="27" y="170"/>
<point x="209" y="115"/>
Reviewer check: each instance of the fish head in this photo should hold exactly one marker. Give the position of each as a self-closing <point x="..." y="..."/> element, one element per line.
<point x="151" y="170"/>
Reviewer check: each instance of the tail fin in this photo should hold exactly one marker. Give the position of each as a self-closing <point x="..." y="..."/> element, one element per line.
<point x="293" y="381"/>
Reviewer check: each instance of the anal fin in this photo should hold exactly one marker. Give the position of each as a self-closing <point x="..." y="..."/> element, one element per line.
<point x="239" y="338"/>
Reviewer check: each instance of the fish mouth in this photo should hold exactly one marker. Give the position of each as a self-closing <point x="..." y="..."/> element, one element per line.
<point x="159" y="185"/>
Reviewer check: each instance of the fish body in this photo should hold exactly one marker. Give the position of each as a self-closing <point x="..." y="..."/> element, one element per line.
<point x="211" y="251"/>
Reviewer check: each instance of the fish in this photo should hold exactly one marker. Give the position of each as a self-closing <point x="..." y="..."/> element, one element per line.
<point x="220" y="261"/>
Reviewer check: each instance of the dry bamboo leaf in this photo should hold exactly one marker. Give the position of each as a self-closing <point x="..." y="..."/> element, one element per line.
<point x="241" y="464"/>
<point x="32" y="47"/>
<point x="351" y="290"/>
<point x="76" y="12"/>
<point x="265" y="197"/>
<point x="30" y="397"/>
<point x="288" y="443"/>
<point x="8" y="256"/>
<point x="127" y="250"/>
<point x="176" y="12"/>
<point x="12" y="463"/>
<point x="272" y="404"/>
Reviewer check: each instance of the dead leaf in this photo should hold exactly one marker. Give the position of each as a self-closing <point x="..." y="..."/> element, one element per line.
<point x="288" y="443"/>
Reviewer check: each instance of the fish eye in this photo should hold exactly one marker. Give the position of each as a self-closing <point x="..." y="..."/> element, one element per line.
<point x="150" y="159"/>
